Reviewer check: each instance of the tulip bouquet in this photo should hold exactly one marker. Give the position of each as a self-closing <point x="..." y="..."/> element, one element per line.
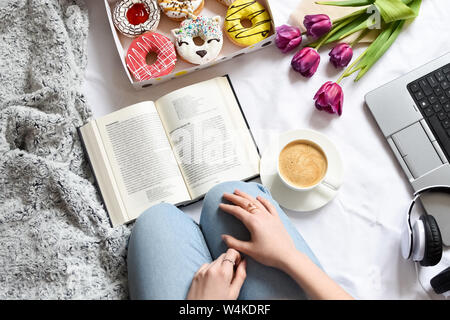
<point x="385" y="17"/>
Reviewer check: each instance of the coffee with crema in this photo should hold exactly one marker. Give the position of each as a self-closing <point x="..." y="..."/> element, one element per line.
<point x="302" y="163"/>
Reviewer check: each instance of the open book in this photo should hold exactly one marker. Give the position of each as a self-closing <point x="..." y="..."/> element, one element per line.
<point x="172" y="150"/>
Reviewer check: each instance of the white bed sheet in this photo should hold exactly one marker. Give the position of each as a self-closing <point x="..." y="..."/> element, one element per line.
<point x="356" y="236"/>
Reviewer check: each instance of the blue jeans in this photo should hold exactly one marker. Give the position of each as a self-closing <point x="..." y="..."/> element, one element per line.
<point x="167" y="247"/>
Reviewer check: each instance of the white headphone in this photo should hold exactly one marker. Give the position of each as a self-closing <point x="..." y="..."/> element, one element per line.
<point x="422" y="241"/>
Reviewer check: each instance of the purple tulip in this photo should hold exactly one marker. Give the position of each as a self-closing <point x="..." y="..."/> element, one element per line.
<point x="306" y="62"/>
<point x="330" y="98"/>
<point x="317" y="25"/>
<point x="341" y="55"/>
<point x="287" y="38"/>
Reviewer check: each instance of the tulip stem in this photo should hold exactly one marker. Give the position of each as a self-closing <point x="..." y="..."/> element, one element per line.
<point x="361" y="35"/>
<point x="356" y="13"/>
<point x="333" y="31"/>
<point x="349" y="70"/>
<point x="340" y="78"/>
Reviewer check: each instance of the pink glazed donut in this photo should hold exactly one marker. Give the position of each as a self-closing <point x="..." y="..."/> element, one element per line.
<point x="141" y="46"/>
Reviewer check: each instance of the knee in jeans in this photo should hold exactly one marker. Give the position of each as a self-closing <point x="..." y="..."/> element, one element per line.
<point x="215" y="193"/>
<point x="154" y="216"/>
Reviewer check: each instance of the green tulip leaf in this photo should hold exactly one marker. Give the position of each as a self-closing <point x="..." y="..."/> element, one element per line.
<point x="394" y="10"/>
<point x="378" y="53"/>
<point x="376" y="46"/>
<point x="358" y="23"/>
<point x="415" y="6"/>
<point x="394" y="14"/>
<point x="353" y="14"/>
<point x="370" y="52"/>
<point x="364" y="25"/>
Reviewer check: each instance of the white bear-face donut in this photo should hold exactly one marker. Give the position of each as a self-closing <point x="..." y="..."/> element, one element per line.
<point x="134" y="17"/>
<point x="208" y="29"/>
<point x="179" y="10"/>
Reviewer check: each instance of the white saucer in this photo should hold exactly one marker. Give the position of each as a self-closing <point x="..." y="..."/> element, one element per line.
<point x="301" y="200"/>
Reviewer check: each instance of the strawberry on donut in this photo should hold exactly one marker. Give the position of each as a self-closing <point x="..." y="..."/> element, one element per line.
<point x="134" y="17"/>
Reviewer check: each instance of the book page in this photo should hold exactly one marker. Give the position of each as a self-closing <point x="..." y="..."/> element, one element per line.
<point x="141" y="158"/>
<point x="209" y="135"/>
<point x="103" y="173"/>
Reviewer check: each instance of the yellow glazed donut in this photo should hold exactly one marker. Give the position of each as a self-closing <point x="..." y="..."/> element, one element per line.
<point x="256" y="14"/>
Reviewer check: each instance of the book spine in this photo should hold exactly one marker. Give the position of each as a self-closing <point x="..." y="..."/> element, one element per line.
<point x="242" y="112"/>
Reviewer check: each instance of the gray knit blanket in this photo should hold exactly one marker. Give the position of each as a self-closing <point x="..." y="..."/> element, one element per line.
<point x="55" y="238"/>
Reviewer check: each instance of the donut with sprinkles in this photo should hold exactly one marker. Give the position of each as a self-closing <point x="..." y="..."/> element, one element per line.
<point x="208" y="29"/>
<point x="178" y="10"/>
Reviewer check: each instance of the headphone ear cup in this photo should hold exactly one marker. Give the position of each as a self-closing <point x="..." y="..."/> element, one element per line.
<point x="406" y="242"/>
<point x="441" y="282"/>
<point x="433" y="242"/>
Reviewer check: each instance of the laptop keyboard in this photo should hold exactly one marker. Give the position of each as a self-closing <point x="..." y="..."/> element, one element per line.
<point x="432" y="95"/>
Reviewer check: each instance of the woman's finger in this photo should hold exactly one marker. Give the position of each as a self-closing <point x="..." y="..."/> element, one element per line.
<point x="229" y="261"/>
<point x="241" y="246"/>
<point x="249" y="198"/>
<point x="232" y="257"/>
<point x="216" y="263"/>
<point x="242" y="202"/>
<point x="268" y="205"/>
<point x="202" y="269"/>
<point x="237" y="212"/>
<point x="239" y="277"/>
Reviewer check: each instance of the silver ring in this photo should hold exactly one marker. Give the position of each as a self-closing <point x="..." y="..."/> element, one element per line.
<point x="229" y="261"/>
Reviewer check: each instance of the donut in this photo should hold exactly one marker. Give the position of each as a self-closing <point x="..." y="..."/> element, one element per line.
<point x="247" y="10"/>
<point x="208" y="29"/>
<point x="226" y="2"/>
<point x="178" y="10"/>
<point x="141" y="46"/>
<point x="134" y="17"/>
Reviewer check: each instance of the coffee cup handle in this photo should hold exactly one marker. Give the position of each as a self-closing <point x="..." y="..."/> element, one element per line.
<point x="330" y="184"/>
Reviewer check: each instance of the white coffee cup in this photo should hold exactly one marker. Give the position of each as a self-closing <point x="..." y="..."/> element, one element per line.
<point x="321" y="181"/>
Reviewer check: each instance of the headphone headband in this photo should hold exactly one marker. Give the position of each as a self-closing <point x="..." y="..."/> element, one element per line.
<point x="419" y="192"/>
<point x="433" y="188"/>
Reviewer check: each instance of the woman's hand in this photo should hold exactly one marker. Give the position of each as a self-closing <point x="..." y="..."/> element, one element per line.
<point x="270" y="242"/>
<point x="221" y="279"/>
<point x="272" y="245"/>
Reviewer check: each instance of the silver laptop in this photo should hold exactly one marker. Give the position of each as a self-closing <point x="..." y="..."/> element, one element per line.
<point x="413" y="112"/>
